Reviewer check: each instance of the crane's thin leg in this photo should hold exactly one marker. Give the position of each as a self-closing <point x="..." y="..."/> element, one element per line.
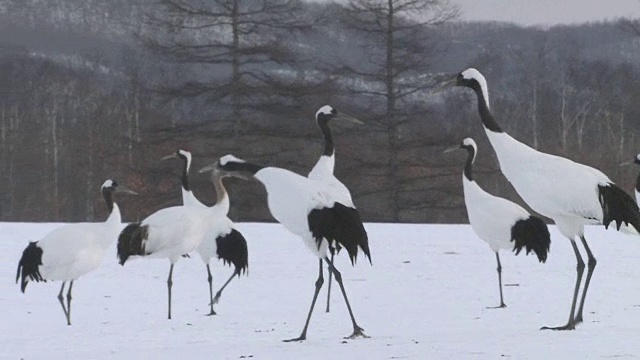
<point x="210" y="278"/>
<point x="357" y="330"/>
<point x="69" y="303"/>
<point x="169" y="284"/>
<point x="329" y="284"/>
<point x="571" y="324"/>
<point x="319" y="283"/>
<point x="591" y="265"/>
<point x="61" y="299"/>
<point x="219" y="293"/>
<point x="502" y="305"/>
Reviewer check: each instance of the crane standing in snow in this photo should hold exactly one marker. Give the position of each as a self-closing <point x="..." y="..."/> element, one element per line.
<point x="501" y="223"/>
<point x="570" y="193"/>
<point x="223" y="241"/>
<point x="310" y="210"/>
<point x="73" y="250"/>
<point x="173" y="232"/>
<point x="323" y="170"/>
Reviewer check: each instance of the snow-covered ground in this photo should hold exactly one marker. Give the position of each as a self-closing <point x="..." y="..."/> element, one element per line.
<point x="425" y="297"/>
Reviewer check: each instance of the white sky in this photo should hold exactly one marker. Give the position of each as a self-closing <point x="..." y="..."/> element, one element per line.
<point x="547" y="12"/>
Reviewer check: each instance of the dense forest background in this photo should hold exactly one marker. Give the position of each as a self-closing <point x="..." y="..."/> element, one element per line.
<point x="91" y="90"/>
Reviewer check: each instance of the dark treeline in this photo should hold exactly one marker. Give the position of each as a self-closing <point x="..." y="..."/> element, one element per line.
<point x="91" y="90"/>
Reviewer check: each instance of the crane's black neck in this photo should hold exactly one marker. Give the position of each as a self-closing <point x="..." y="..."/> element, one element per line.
<point x="329" y="148"/>
<point x="471" y="155"/>
<point x="638" y="183"/>
<point x="107" y="194"/>
<point x="485" y="114"/>
<point x="245" y="168"/>
<point x="185" y="176"/>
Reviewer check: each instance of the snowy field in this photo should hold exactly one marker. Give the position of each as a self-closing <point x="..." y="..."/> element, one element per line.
<point x="425" y="297"/>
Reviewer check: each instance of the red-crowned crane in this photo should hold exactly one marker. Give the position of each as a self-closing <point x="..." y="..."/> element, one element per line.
<point x="72" y="250"/>
<point x="501" y="223"/>
<point x="323" y="170"/>
<point x="569" y="193"/>
<point x="309" y="209"/>
<point x="222" y="241"/>
<point x="170" y="233"/>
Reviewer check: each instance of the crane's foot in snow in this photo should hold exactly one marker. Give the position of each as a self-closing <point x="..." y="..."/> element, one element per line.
<point x="503" y="305"/>
<point x="569" y="326"/>
<point x="298" y="339"/>
<point x="357" y="332"/>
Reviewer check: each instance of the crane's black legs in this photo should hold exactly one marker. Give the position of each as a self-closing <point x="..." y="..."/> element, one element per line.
<point x="61" y="299"/>
<point x="319" y="283"/>
<point x="69" y="303"/>
<point x="357" y="330"/>
<point x="210" y="278"/>
<point x="219" y="293"/>
<point x="329" y="284"/>
<point x="591" y="265"/>
<point x="571" y="324"/>
<point x="502" y="305"/>
<point x="169" y="284"/>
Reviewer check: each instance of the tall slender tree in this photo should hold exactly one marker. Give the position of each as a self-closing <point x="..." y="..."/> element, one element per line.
<point x="398" y="46"/>
<point x="232" y="47"/>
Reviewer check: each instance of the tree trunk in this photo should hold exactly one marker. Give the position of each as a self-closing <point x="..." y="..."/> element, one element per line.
<point x="564" y="122"/>
<point x="89" y="190"/>
<point x="534" y="115"/>
<point x="235" y="71"/>
<point x="392" y="129"/>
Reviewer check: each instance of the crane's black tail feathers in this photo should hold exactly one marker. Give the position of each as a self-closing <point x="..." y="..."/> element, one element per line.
<point x="341" y="224"/>
<point x="618" y="207"/>
<point x="531" y="234"/>
<point x="132" y="241"/>
<point x="29" y="264"/>
<point x="232" y="249"/>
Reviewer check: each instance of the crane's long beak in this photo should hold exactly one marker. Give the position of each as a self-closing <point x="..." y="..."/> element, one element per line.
<point x="207" y="168"/>
<point x="452" y="149"/>
<point x="627" y="163"/>
<point x="444" y="82"/>
<point x="126" y="190"/>
<point x="348" y="118"/>
<point x="172" y="156"/>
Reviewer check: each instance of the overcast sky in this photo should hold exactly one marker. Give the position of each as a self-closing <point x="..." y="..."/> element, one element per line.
<point x="547" y="12"/>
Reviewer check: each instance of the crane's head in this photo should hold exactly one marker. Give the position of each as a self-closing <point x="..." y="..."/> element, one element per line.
<point x="228" y="165"/>
<point x="181" y="154"/>
<point x="111" y="186"/>
<point x="635" y="160"/>
<point x="470" y="78"/>
<point x="467" y="144"/>
<point x="328" y="113"/>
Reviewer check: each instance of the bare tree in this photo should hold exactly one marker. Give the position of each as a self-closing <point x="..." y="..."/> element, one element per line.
<point x="233" y="47"/>
<point x="399" y="50"/>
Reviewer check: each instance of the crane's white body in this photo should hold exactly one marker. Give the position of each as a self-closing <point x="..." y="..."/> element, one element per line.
<point x="322" y="172"/>
<point x="570" y="189"/>
<point x="73" y="250"/>
<point x="491" y="217"/>
<point x="291" y="197"/>
<point x="179" y="230"/>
